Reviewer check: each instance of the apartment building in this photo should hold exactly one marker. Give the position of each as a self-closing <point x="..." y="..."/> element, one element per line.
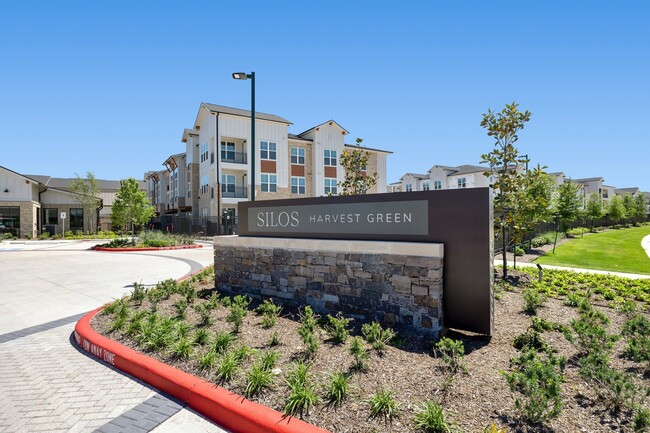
<point x="32" y="204"/>
<point x="216" y="165"/>
<point x="443" y="177"/>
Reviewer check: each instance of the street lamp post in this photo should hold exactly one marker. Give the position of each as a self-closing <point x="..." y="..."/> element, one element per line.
<point x="245" y="76"/>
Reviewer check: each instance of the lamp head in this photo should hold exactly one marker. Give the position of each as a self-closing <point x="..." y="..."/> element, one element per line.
<point x="240" y="75"/>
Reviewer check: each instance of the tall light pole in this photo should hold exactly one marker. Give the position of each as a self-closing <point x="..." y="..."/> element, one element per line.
<point x="245" y="76"/>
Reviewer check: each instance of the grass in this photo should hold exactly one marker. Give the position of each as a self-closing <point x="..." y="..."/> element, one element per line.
<point x="613" y="250"/>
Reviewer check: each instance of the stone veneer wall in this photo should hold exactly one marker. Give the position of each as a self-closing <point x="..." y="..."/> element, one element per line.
<point x="402" y="291"/>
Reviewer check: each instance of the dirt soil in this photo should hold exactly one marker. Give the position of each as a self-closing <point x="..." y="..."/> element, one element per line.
<point x="412" y="371"/>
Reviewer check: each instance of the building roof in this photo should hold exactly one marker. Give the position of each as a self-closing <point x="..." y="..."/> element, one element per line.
<point x="467" y="169"/>
<point x="171" y="161"/>
<point x="354" y="146"/>
<point x="415" y="175"/>
<point x="187" y="132"/>
<point x="296" y="137"/>
<point x="243" y="113"/>
<point x="64" y="183"/>
<point x="588" y="179"/>
<point x="24" y="176"/>
<point x="629" y="190"/>
<point x="345" y="131"/>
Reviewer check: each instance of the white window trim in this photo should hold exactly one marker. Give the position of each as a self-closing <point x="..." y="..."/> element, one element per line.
<point x="268" y="150"/>
<point x="298" y="155"/>
<point x="298" y="186"/>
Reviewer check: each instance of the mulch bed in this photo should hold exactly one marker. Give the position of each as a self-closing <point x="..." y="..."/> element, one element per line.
<point x="412" y="371"/>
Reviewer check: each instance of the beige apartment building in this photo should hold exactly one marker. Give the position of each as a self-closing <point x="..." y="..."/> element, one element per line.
<point x="214" y="173"/>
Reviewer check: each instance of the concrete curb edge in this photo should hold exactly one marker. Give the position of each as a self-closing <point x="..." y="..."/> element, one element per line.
<point x="126" y="250"/>
<point x="231" y="411"/>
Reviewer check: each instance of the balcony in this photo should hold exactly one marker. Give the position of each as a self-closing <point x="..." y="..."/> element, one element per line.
<point x="229" y="191"/>
<point x="234" y="157"/>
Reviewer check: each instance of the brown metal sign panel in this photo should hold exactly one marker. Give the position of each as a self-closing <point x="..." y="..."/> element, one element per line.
<point x="461" y="219"/>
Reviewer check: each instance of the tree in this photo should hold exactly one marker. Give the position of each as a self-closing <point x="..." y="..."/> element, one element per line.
<point x="85" y="192"/>
<point x="616" y="209"/>
<point x="594" y="208"/>
<point x="131" y="206"/>
<point x="504" y="161"/>
<point x="640" y="208"/>
<point x="567" y="207"/>
<point x="628" y="204"/>
<point x="355" y="163"/>
<point x="531" y="204"/>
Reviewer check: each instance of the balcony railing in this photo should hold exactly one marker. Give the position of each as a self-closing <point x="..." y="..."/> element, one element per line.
<point x="235" y="157"/>
<point x="236" y="192"/>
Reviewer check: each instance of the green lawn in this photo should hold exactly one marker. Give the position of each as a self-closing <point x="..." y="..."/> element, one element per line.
<point x="614" y="250"/>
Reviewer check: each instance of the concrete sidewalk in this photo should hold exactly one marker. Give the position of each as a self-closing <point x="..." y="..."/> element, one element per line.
<point x="564" y="268"/>
<point x="46" y="382"/>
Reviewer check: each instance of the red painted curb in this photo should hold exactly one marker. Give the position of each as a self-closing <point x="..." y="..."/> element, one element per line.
<point x="231" y="411"/>
<point x="122" y="250"/>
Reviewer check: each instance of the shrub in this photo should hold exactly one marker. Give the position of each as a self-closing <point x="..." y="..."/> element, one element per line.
<point x="236" y="315"/>
<point x="383" y="404"/>
<point x="138" y="293"/>
<point x="538" y="379"/>
<point x="182" y="329"/>
<point x="227" y="368"/>
<point x="531" y="339"/>
<point x="337" y="328"/>
<point x="202" y="337"/>
<point x="274" y="340"/>
<point x="205" y="314"/>
<point x="533" y="300"/>
<point x="492" y="428"/>
<point x="242" y="353"/>
<point x="182" y="349"/>
<point x="519" y="251"/>
<point x="637" y="333"/>
<point x="430" y="418"/>
<point x="269" y="312"/>
<point x="359" y="353"/>
<point x="268" y="359"/>
<point x="180" y="306"/>
<point x="302" y="396"/>
<point x="337" y="389"/>
<point x="376" y="336"/>
<point x="257" y="378"/>
<point x="641" y="421"/>
<point x="222" y="341"/>
<point x="208" y="360"/>
<point x="452" y="353"/>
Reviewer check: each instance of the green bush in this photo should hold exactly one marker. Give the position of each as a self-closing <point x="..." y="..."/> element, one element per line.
<point x="519" y="251"/>
<point x="533" y="300"/>
<point x="531" y="339"/>
<point x="537" y="379"/>
<point x="338" y="328"/>
<point x="337" y="389"/>
<point x="383" y="404"/>
<point x="430" y="418"/>
<point x="359" y="353"/>
<point x="452" y="353"/>
<point x="377" y="337"/>
<point x="637" y="333"/>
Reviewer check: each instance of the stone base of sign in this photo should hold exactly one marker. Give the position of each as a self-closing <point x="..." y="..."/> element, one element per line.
<point x="396" y="283"/>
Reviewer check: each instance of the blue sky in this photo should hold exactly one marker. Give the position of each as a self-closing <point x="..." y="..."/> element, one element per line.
<point x="108" y="87"/>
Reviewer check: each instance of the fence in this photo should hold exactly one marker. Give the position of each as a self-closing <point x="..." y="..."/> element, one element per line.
<point x="195" y="226"/>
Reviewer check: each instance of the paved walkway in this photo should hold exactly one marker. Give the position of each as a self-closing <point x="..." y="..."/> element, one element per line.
<point x="564" y="268"/>
<point x="46" y="382"/>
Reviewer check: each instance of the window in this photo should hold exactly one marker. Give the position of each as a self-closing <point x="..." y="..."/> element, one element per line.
<point x="204" y="152"/>
<point x="227" y="184"/>
<point x="409" y="187"/>
<point x="605" y="193"/>
<point x="204" y="184"/>
<point x="298" y="155"/>
<point x="297" y="185"/>
<point x="330" y="186"/>
<point x="462" y="182"/>
<point x="425" y="186"/>
<point x="227" y="151"/>
<point x="268" y="150"/>
<point x="437" y="184"/>
<point x="269" y="182"/>
<point x="330" y="157"/>
<point x="76" y="219"/>
<point x="51" y="216"/>
<point x="10" y="220"/>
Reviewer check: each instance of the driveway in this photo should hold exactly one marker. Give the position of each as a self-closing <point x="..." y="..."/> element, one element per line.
<point x="46" y="383"/>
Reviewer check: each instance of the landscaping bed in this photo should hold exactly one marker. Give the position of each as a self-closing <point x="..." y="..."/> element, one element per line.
<point x="148" y="241"/>
<point x="172" y="324"/>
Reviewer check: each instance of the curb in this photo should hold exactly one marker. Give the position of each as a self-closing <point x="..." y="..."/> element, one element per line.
<point x="123" y="250"/>
<point x="231" y="411"/>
